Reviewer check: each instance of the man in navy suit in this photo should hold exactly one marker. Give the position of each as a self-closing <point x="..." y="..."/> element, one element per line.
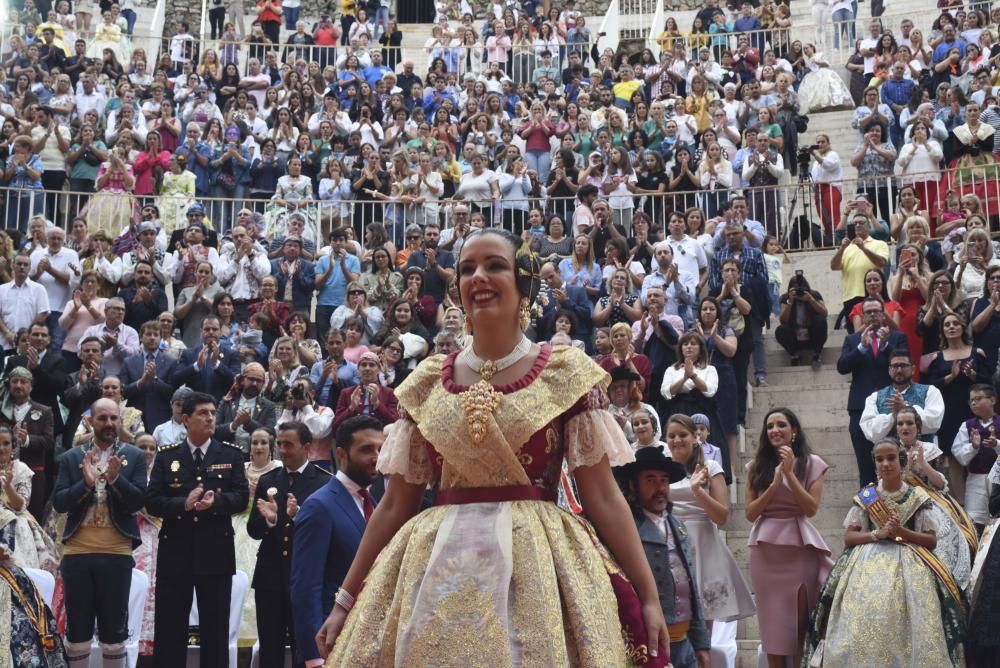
<point x="292" y="267"/>
<point x="272" y="521"/>
<point x="571" y="298"/>
<point x="146" y="378"/>
<point x="208" y="368"/>
<point x="865" y="356"/>
<point x="328" y="530"/>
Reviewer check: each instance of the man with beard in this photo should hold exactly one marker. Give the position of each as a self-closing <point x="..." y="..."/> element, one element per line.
<point x="272" y="521"/>
<point x="144" y="299"/>
<point x="878" y="419"/>
<point x="196" y="486"/>
<point x="101" y="487"/>
<point x="328" y="530"/>
<point x="438" y="264"/>
<point x="149" y="245"/>
<point x="664" y="538"/>
<point x="145" y="378"/>
<point x="83" y="387"/>
<point x="32" y="425"/>
<point x="243" y="410"/>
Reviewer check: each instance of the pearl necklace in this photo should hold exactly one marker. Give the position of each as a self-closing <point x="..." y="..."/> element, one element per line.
<point x="487" y="368"/>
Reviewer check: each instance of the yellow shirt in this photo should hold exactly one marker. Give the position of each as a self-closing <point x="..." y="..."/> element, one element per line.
<point x="625" y="89"/>
<point x="853" y="265"/>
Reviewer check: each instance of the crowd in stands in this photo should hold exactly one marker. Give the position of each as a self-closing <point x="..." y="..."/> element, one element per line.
<point x="301" y="193"/>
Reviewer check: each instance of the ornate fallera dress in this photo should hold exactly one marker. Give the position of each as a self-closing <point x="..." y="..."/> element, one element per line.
<point x="497" y="574"/>
<point x="888" y="603"/>
<point x="33" y="548"/>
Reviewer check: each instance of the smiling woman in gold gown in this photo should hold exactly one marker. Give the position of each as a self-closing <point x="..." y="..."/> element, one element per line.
<point x="496" y="573"/>
<point x="889" y="600"/>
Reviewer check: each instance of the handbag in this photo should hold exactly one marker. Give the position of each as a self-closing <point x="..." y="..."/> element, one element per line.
<point x="227" y="181"/>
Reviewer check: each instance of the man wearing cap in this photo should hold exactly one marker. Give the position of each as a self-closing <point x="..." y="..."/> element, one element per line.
<point x="145" y="378"/>
<point x="295" y="226"/>
<point x="369" y="397"/>
<point x="192" y="249"/>
<point x="296" y="277"/>
<point x="32" y="424"/>
<point x="664" y="538"/>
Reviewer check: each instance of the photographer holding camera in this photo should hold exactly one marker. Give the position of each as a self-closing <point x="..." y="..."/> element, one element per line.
<point x="243" y="410"/>
<point x="301" y="406"/>
<point x="803" y="324"/>
<point x="827" y="176"/>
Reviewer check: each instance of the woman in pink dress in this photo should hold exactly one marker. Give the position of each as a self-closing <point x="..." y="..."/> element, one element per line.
<point x="789" y="560"/>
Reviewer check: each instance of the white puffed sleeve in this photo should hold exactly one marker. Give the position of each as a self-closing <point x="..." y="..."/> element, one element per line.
<point x="592" y="433"/>
<point x="405" y="452"/>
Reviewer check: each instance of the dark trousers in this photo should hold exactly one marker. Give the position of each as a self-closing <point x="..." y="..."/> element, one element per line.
<point x="217" y="19"/>
<point x="785" y="335"/>
<point x="97" y="588"/>
<point x="53" y="180"/>
<point x="173" y="605"/>
<point x="323" y="314"/>
<point x="274" y="625"/>
<point x="272" y="29"/>
<point x="862" y="448"/>
<point x="39" y="495"/>
<point x="741" y="363"/>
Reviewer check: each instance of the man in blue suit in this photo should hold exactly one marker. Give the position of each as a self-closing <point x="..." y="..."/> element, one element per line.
<point x="146" y="378"/>
<point x="292" y="267"/>
<point x="328" y="530"/>
<point x="208" y="367"/>
<point x="865" y="356"/>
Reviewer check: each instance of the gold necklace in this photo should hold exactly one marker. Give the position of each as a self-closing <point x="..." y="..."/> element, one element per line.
<point x="479" y="402"/>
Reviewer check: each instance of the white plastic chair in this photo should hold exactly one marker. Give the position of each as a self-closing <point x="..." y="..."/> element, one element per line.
<point x="724" y="644"/>
<point x="255" y="657"/>
<point x="136" y="607"/>
<point x="236" y="601"/>
<point x="45" y="582"/>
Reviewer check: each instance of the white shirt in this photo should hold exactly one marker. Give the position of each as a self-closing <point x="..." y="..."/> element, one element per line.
<point x="203" y="447"/>
<point x="20" y="305"/>
<point x="829" y="170"/>
<point x="242" y="280"/>
<point x="875" y="425"/>
<point x="59" y="293"/>
<point x="114" y="357"/>
<point x="869" y="43"/>
<point x="690" y="259"/>
<point x="708" y="375"/>
<point x="319" y="422"/>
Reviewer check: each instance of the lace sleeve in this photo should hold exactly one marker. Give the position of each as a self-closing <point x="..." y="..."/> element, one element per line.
<point x="405" y="452"/>
<point x="926" y="519"/>
<point x="592" y="433"/>
<point x="857" y="518"/>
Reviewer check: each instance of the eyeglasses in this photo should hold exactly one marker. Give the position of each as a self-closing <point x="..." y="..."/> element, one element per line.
<point x="355" y="292"/>
<point x="941" y="284"/>
<point x="393" y="349"/>
<point x="415" y="236"/>
<point x="900" y="365"/>
<point x="977" y="399"/>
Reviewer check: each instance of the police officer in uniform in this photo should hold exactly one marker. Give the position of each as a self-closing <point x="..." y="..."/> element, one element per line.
<point x="279" y="495"/>
<point x="196" y="486"/>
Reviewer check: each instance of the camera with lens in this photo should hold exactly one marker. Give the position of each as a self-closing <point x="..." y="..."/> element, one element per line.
<point x="804" y="154"/>
<point x="297" y="393"/>
<point x="797" y="286"/>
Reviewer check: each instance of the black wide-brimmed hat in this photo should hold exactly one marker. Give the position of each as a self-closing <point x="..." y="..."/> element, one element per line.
<point x="653" y="459"/>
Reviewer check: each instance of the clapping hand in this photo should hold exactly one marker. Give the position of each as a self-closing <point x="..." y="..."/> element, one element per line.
<point x="205" y="502"/>
<point x="114" y="467"/>
<point x="268" y="508"/>
<point x="90" y="473"/>
<point x="291" y="506"/>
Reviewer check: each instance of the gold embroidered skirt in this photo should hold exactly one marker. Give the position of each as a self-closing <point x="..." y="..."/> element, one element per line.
<point x="517" y="583"/>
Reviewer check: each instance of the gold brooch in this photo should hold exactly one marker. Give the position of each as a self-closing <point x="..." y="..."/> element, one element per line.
<point x="479" y="402"/>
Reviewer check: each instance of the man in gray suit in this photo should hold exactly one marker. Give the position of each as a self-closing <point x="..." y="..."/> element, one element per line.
<point x="243" y="410"/>
<point x="664" y="538"/>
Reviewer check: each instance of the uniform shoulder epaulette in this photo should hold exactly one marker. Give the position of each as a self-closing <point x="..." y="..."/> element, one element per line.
<point x="232" y="445"/>
<point x="168" y="446"/>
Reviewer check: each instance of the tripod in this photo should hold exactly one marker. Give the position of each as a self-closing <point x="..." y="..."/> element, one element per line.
<point x="802" y="226"/>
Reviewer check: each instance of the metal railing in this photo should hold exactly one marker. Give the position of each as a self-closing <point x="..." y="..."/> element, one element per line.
<point x="801" y="215"/>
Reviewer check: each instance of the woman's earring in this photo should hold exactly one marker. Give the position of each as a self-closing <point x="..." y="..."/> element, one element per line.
<point x="524" y="314"/>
